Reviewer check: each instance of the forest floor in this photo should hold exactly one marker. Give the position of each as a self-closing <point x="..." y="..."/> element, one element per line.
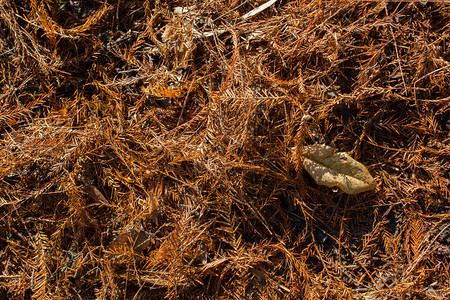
<point x="153" y="149"/>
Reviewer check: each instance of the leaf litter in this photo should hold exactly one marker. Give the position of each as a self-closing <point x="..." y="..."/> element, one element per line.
<point x="145" y="149"/>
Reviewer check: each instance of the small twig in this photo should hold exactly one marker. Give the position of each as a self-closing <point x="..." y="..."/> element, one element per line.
<point x="399" y="61"/>
<point x="424" y="252"/>
<point x="426" y="75"/>
<point x="258" y="9"/>
<point x="396" y="52"/>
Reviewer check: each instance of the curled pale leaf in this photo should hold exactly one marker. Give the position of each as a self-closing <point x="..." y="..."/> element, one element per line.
<point x="337" y="169"/>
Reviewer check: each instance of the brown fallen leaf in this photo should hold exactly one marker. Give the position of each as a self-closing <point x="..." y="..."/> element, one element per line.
<point x="337" y="169"/>
<point x="139" y="240"/>
<point x="95" y="194"/>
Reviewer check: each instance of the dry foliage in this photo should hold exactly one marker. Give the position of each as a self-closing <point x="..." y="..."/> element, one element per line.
<point x="337" y="169"/>
<point x="146" y="149"/>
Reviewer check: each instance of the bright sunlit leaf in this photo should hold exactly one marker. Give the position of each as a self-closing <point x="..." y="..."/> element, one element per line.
<point x="337" y="169"/>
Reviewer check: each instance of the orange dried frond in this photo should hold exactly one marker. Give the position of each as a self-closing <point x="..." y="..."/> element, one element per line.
<point x="164" y="91"/>
<point x="91" y="20"/>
